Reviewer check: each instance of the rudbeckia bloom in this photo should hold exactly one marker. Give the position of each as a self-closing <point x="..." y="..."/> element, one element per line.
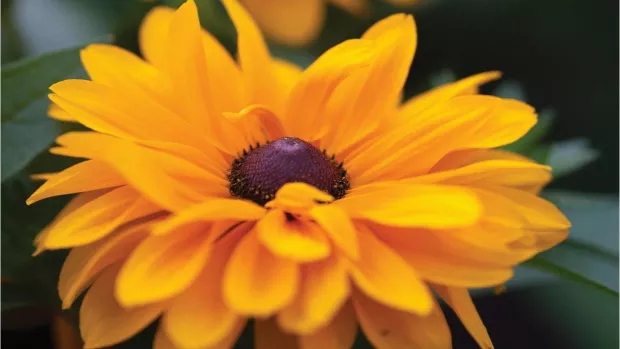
<point x="217" y="192"/>
<point x="299" y="22"/>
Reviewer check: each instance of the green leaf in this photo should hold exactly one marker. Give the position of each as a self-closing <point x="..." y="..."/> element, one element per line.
<point x="26" y="129"/>
<point x="568" y="156"/>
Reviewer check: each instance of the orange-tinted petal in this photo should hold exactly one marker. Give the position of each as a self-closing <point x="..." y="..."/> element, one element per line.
<point x="337" y="334"/>
<point x="97" y="218"/>
<point x="461" y="303"/>
<point x="153" y="32"/>
<point x="384" y="276"/>
<point x="386" y="327"/>
<point x="257" y="282"/>
<point x="85" y="176"/>
<point x="323" y="290"/>
<point x="399" y="204"/>
<point x="298" y="240"/>
<point x="267" y="335"/>
<point x="199" y="318"/>
<point x="84" y="263"/>
<point x="163" y="266"/>
<point x="339" y="227"/>
<point x="104" y="322"/>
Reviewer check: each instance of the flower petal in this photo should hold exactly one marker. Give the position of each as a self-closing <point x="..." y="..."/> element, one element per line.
<point x="173" y="183"/>
<point x="214" y="209"/>
<point x="257" y="282"/>
<point x="461" y="303"/>
<point x="199" y="318"/>
<point x="256" y="63"/>
<point x="463" y="122"/>
<point x="339" y="333"/>
<point x="297" y="240"/>
<point x="122" y="70"/>
<point x="85" y="262"/>
<point x="163" y="266"/>
<point x="162" y="341"/>
<point x="386" y="327"/>
<point x="107" y="110"/>
<point x="309" y="97"/>
<point x="469" y="85"/>
<point x="437" y="262"/>
<point x="56" y="112"/>
<point x="85" y="176"/>
<point x="97" y="218"/>
<point x="298" y="197"/>
<point x="323" y="291"/>
<point x="399" y="204"/>
<point x="104" y="322"/>
<point x="339" y="227"/>
<point x="290" y="22"/>
<point x="382" y="275"/>
<point x="154" y="30"/>
<point x="196" y="80"/>
<point x="359" y="104"/>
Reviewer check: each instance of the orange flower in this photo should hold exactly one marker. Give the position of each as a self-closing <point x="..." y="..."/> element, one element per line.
<point x="217" y="192"/>
<point x="299" y="22"/>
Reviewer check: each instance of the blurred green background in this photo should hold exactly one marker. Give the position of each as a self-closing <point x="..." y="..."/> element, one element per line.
<point x="559" y="56"/>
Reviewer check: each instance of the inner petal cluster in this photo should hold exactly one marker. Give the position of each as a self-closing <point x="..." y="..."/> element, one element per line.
<point x="258" y="173"/>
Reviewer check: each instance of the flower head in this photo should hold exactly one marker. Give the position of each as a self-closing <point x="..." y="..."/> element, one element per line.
<point x="215" y="192"/>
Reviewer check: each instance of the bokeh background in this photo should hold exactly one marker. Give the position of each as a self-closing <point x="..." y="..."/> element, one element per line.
<point x="561" y="56"/>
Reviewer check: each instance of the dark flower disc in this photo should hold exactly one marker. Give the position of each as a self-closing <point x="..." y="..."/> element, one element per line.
<point x="260" y="172"/>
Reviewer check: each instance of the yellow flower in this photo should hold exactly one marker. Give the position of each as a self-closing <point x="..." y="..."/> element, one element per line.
<point x="217" y="192"/>
<point x="299" y="22"/>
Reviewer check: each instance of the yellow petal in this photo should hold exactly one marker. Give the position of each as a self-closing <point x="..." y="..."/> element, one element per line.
<point x="339" y="333"/>
<point x="153" y="31"/>
<point x="413" y="107"/>
<point x="436" y="262"/>
<point x="298" y="197"/>
<point x="386" y="327"/>
<point x="339" y="227"/>
<point x="268" y="125"/>
<point x="323" y="291"/>
<point x="199" y="318"/>
<point x="539" y="213"/>
<point x="384" y="276"/>
<point x="214" y="209"/>
<point x="297" y="240"/>
<point x="305" y="111"/>
<point x="254" y="58"/>
<point x="460" y="301"/>
<point x="413" y="205"/>
<point x="289" y="22"/>
<point x="359" y="104"/>
<point x="267" y="335"/>
<point x="97" y="218"/>
<point x="74" y="204"/>
<point x="135" y="117"/>
<point x="85" y="176"/>
<point x="173" y="183"/>
<point x="196" y="81"/>
<point x="120" y="69"/>
<point x="56" y="112"/>
<point x="163" y="266"/>
<point x="508" y="173"/>
<point x="84" y="263"/>
<point x="257" y="282"/>
<point x="162" y="341"/>
<point x="104" y="322"/>
<point x="463" y="122"/>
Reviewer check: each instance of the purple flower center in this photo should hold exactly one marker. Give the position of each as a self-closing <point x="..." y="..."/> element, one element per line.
<point x="259" y="173"/>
